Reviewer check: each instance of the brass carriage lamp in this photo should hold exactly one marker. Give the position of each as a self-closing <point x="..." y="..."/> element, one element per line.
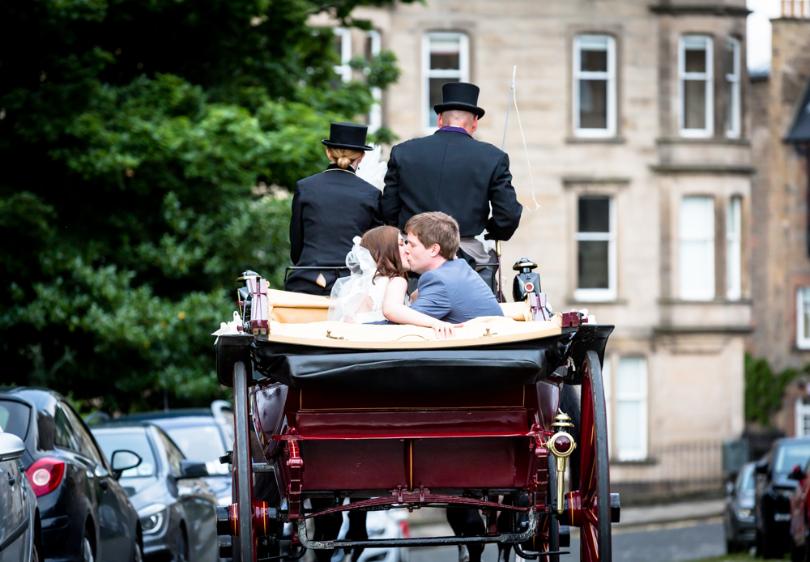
<point x="561" y="445"/>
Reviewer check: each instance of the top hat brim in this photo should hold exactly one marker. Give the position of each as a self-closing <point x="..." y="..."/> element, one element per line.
<point x="331" y="144"/>
<point x="442" y="107"/>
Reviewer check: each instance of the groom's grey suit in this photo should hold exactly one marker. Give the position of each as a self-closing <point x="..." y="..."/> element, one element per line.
<point x="455" y="293"/>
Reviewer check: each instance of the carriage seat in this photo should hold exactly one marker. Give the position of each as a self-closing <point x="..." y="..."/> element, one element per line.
<point x="294" y="308"/>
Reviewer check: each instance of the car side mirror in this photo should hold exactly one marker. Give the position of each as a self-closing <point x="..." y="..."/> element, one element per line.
<point x="124" y="459"/>
<point x="729" y="488"/>
<point x="192" y="469"/>
<point x="796" y="474"/>
<point x="11" y="447"/>
<point x="761" y="467"/>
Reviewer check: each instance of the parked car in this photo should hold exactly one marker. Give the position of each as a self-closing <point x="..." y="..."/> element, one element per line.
<point x="19" y="525"/>
<point x="384" y="524"/>
<point x="84" y="512"/>
<point x="738" y="516"/>
<point x="202" y="434"/>
<point x="773" y="491"/>
<point x="177" y="510"/>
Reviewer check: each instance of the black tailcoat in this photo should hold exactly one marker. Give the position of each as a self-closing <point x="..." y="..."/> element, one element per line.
<point x="328" y="210"/>
<point x="451" y="172"/>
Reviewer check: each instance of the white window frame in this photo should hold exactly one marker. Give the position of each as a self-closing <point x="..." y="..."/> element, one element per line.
<point x="375" y="113"/>
<point x="609" y="76"/>
<point x="462" y="74"/>
<point x="639" y="395"/>
<point x="708" y="79"/>
<point x="802" y="296"/>
<point x="734" y="248"/>
<point x="733" y="127"/>
<point x="687" y="237"/>
<point x="801" y="411"/>
<point x="344" y="70"/>
<point x="597" y="295"/>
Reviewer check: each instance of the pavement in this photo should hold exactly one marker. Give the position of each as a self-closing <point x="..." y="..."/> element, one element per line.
<point x="425" y="521"/>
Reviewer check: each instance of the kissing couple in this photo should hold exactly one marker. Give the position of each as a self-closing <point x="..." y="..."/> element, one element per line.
<point x="449" y="291"/>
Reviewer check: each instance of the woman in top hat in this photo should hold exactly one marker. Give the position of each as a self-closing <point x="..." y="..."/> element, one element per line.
<point x="328" y="210"/>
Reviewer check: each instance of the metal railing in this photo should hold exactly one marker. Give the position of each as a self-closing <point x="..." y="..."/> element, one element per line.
<point x="671" y="472"/>
<point x="796" y="8"/>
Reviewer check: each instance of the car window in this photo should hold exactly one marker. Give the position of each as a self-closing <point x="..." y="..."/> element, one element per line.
<point x="745" y="479"/>
<point x="135" y="441"/>
<point x="173" y="454"/>
<point x="82" y="437"/>
<point x="63" y="433"/>
<point x="790" y="455"/>
<point x="14" y="418"/>
<point x="201" y="443"/>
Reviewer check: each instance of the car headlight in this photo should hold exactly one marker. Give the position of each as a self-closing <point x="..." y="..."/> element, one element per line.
<point x="743" y="513"/>
<point x="153" y="517"/>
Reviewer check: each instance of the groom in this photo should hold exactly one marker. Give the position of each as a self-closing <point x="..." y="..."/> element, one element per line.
<point x="449" y="289"/>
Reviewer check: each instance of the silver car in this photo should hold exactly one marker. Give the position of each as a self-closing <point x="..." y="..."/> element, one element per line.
<point x="19" y="522"/>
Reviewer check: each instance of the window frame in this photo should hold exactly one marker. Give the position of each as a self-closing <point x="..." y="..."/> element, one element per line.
<point x="734" y="248"/>
<point x="344" y="70"/>
<point x="375" y="112"/>
<point x="608" y="293"/>
<point x="609" y="76"/>
<point x="802" y="341"/>
<point x="733" y="81"/>
<point x="641" y="396"/>
<point x="462" y="74"/>
<point x="707" y="77"/>
<point x="681" y="237"/>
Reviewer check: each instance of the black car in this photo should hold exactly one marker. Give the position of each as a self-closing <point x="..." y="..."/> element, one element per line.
<point x="773" y="491"/>
<point x="19" y="525"/>
<point x="202" y="434"/>
<point x="177" y="510"/>
<point x="84" y="512"/>
<point x="738" y="516"/>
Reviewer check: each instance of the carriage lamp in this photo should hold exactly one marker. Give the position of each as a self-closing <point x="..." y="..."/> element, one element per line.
<point x="561" y="445"/>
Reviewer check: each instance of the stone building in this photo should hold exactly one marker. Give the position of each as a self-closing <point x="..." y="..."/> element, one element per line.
<point x="780" y="119"/>
<point x="636" y="181"/>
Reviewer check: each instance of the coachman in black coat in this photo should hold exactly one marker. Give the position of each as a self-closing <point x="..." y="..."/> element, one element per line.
<point x="452" y="172"/>
<point x="328" y="210"/>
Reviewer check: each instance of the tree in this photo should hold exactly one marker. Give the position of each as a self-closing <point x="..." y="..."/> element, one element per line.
<point x="146" y="149"/>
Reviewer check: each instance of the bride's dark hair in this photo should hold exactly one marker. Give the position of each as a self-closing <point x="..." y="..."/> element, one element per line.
<point x="383" y="245"/>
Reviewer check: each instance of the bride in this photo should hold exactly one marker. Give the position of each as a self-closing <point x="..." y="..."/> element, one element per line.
<point x="376" y="290"/>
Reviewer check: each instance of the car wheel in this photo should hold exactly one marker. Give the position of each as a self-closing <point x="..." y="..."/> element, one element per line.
<point x="181" y="547"/>
<point x="732" y="546"/>
<point x="137" y="552"/>
<point x="87" y="550"/>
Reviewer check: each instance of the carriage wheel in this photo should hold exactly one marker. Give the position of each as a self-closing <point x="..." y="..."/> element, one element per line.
<point x="594" y="479"/>
<point x="244" y="547"/>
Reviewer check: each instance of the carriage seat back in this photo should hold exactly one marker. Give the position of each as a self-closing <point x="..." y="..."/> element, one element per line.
<point x="294" y="308"/>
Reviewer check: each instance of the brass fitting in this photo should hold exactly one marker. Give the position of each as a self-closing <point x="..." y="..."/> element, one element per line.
<point x="561" y="445"/>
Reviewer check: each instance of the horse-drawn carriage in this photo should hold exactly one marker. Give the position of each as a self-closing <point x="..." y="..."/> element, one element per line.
<point x="393" y="418"/>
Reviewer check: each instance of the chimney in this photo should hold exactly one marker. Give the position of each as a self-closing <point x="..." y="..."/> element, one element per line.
<point x="796" y="9"/>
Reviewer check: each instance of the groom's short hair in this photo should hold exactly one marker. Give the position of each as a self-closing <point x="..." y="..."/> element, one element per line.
<point x="436" y="228"/>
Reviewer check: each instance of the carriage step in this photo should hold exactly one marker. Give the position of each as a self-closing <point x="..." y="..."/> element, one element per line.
<point x="615" y="507"/>
<point x="225" y="543"/>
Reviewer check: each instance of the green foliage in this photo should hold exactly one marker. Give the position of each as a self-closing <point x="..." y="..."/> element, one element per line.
<point x="764" y="389"/>
<point x="147" y="149"/>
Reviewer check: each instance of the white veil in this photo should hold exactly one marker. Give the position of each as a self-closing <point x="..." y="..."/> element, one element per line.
<point x="354" y="298"/>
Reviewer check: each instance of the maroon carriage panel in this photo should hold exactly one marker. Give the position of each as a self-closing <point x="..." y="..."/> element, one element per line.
<point x="470" y="463"/>
<point x="366" y="465"/>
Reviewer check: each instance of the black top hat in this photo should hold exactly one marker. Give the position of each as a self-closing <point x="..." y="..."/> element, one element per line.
<point x="459" y="95"/>
<point x="347" y="135"/>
